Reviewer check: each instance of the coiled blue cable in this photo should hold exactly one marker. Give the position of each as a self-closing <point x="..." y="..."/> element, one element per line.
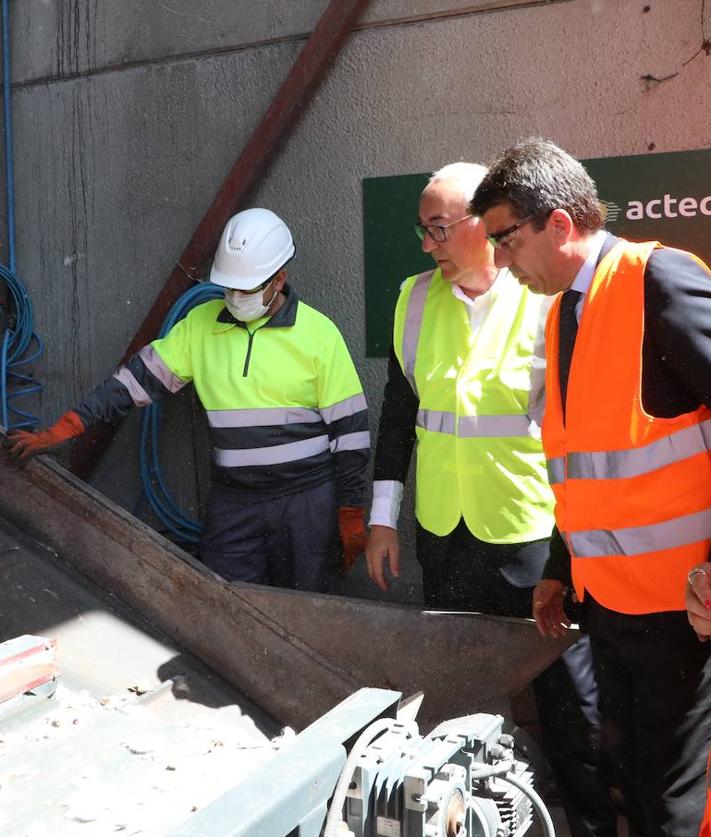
<point x="18" y="333"/>
<point x="16" y="343"/>
<point x="161" y="501"/>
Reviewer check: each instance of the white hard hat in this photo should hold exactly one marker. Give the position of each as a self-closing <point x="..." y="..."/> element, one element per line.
<point x="254" y="245"/>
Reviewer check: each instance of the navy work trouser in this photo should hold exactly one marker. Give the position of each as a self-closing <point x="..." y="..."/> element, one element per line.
<point x="460" y="572"/>
<point x="288" y="541"/>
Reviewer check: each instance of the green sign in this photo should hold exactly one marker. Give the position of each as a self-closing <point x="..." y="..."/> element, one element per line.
<point x="665" y="197"/>
<point x="650" y="196"/>
<point x="392" y="251"/>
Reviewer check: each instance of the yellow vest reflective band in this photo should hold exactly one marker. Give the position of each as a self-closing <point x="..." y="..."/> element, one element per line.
<point x="479" y="456"/>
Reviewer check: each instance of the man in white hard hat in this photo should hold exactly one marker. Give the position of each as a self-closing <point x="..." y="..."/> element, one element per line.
<point x="287" y="415"/>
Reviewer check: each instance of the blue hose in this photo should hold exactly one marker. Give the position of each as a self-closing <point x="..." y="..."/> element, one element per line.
<point x="180" y="525"/>
<point x="18" y="329"/>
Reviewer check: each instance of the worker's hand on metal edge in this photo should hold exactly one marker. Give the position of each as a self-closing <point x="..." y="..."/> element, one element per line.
<point x="22" y="444"/>
<point x="698" y="600"/>
<point x="351" y="527"/>
<point x="383" y="546"/>
<point x="548" y="609"/>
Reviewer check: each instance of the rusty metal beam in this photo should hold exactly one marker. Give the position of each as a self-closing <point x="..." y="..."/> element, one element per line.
<point x="289" y="102"/>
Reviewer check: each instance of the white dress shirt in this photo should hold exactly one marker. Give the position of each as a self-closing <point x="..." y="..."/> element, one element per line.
<point x="584" y="277"/>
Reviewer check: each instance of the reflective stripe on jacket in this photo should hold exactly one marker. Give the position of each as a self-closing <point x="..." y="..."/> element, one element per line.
<point x="633" y="492"/>
<point x="283" y="400"/>
<point x="479" y="455"/>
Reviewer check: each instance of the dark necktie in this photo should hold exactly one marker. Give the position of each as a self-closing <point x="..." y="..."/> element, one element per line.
<point x="568" y="331"/>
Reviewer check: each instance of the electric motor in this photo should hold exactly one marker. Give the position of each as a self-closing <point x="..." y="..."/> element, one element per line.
<point x="450" y="783"/>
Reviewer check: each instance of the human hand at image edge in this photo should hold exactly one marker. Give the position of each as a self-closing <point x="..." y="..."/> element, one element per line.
<point x="22" y="444"/>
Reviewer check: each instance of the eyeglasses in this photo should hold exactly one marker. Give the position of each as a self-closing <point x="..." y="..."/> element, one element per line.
<point x="256" y="290"/>
<point x="437" y="232"/>
<point x="497" y="239"/>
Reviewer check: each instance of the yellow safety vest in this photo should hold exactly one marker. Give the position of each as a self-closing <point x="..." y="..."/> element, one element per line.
<point x="479" y="455"/>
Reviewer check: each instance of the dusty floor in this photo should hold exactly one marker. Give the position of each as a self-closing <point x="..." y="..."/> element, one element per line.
<point x="138" y="734"/>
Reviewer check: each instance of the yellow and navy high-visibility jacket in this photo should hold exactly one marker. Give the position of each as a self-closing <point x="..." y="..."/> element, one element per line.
<point x="284" y="404"/>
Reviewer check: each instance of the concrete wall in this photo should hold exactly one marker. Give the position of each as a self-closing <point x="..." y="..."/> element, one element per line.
<point x="128" y="115"/>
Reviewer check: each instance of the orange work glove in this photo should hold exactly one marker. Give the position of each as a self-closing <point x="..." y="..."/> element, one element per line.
<point x="351" y="526"/>
<point x="25" y="443"/>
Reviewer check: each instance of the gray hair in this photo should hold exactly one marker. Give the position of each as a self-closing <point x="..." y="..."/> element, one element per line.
<point x="465" y="176"/>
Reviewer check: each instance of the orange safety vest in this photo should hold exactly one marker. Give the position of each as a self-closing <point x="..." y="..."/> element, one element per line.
<point x="633" y="492"/>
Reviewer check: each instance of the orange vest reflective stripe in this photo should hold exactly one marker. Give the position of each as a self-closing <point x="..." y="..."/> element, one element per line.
<point x="633" y="492"/>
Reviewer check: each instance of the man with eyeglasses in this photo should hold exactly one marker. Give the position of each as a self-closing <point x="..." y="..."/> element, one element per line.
<point x="626" y="437"/>
<point x="465" y="384"/>
<point x="287" y="415"/>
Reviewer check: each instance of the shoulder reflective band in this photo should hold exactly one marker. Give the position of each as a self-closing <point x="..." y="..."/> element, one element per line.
<point x="138" y="395"/>
<point x="272" y="455"/>
<point x="440" y="421"/>
<point x="413" y="325"/>
<point x="262" y="417"/>
<point x="637" y="540"/>
<point x="623" y="464"/>
<point x="155" y="364"/>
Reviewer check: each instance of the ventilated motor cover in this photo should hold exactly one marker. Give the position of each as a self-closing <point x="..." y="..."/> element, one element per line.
<point x="407" y="785"/>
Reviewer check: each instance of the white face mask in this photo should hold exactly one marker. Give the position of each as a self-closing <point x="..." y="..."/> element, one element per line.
<point x="247" y="307"/>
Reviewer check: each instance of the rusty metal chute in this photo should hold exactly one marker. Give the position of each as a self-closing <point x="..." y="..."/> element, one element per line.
<point x="294" y="654"/>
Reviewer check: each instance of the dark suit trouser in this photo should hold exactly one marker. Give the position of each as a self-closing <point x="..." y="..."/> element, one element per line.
<point x="461" y="572"/>
<point x="655" y="700"/>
